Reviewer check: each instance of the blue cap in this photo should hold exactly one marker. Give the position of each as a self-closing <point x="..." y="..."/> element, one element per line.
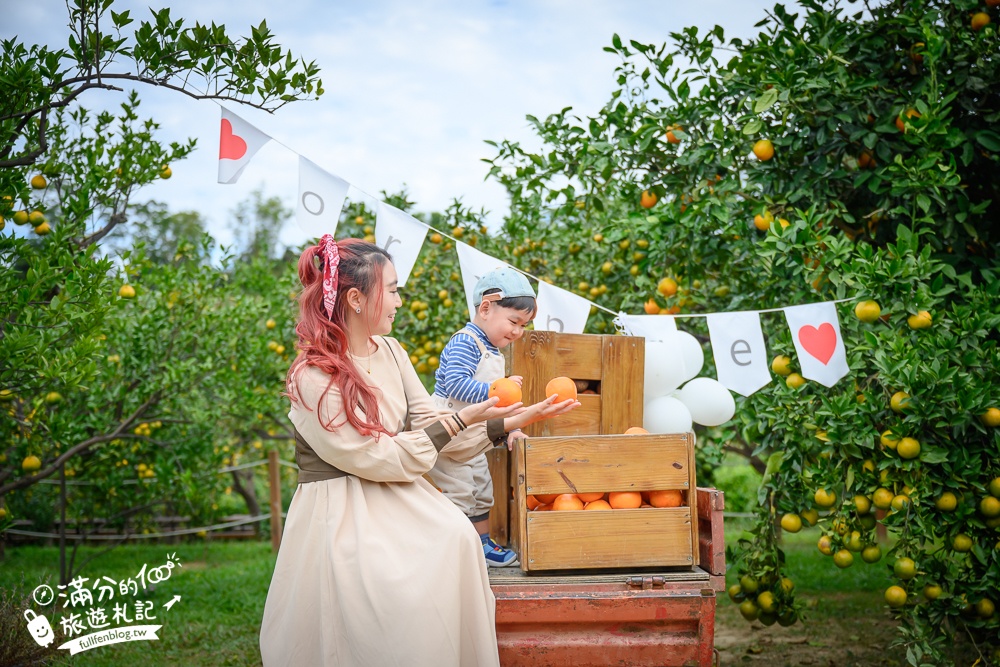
<point x="509" y="282"/>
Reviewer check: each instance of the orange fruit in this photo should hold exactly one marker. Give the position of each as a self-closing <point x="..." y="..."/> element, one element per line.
<point x="624" y="500"/>
<point x="591" y="497"/>
<point x="436" y="238"/>
<point x="547" y="498"/>
<point x="648" y="199"/>
<point x="598" y="505"/>
<point x="667" y="286"/>
<point x="762" y="221"/>
<point x="671" y="137"/>
<point x="566" y="502"/>
<point x="563" y="387"/>
<point x="544" y="508"/>
<point x="909" y="113"/>
<point x="651" y="307"/>
<point x="979" y="21"/>
<point x="866" y="161"/>
<point x="508" y="391"/>
<point x="532" y="502"/>
<point x="764" y="150"/>
<point x="667" y="498"/>
<point x="636" y="430"/>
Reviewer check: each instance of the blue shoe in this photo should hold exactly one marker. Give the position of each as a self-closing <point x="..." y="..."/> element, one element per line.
<point x="497" y="556"/>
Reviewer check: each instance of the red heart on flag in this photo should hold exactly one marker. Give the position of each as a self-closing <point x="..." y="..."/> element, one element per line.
<point x="820" y="342"/>
<point x="231" y="146"/>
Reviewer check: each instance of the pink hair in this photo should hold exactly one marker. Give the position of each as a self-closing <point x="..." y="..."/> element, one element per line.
<point x="323" y="340"/>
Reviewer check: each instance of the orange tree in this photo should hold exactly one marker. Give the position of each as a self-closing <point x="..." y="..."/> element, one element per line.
<point x="848" y="152"/>
<point x="95" y="349"/>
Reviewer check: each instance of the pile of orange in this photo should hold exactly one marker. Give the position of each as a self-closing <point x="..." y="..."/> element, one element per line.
<point x="614" y="500"/>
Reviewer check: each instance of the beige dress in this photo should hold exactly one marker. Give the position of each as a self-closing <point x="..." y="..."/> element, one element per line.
<point x="378" y="568"/>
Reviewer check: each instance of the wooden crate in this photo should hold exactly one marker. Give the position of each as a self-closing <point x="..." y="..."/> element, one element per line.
<point x="611" y="364"/>
<point x="643" y="537"/>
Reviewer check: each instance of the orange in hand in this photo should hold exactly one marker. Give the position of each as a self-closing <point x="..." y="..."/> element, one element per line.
<point x="563" y="387"/>
<point x="624" y="500"/>
<point x="508" y="391"/>
<point x="670" y="498"/>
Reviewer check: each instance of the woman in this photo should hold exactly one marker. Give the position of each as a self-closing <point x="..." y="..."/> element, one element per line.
<point x="376" y="567"/>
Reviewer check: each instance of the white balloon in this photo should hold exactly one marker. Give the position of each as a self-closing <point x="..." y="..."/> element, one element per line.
<point x="664" y="369"/>
<point x="708" y="401"/>
<point x="692" y="353"/>
<point x="666" y="414"/>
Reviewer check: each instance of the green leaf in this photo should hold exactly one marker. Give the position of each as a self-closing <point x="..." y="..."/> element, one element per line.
<point x="753" y="127"/>
<point x="766" y="101"/>
<point x="989" y="140"/>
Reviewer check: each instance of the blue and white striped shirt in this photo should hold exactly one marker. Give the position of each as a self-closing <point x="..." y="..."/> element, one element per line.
<point x="458" y="363"/>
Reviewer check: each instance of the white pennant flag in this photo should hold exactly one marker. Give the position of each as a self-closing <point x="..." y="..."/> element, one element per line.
<point x="650" y="327"/>
<point x="321" y="197"/>
<point x="239" y="141"/>
<point x="475" y="265"/>
<point x="739" y="351"/>
<point x="816" y="333"/>
<point x="560" y="311"/>
<point x="401" y="235"/>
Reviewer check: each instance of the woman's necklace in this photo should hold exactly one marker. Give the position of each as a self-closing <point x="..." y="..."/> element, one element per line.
<point x="369" y="357"/>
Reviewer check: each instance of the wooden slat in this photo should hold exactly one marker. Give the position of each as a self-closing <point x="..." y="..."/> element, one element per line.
<point x="622" y="384"/>
<point x="584" y="420"/>
<point x="617" y="538"/>
<point x="711" y="543"/>
<point x="607" y="463"/>
<point x="499" y="468"/>
<point x="518" y="531"/>
<point x="532" y="360"/>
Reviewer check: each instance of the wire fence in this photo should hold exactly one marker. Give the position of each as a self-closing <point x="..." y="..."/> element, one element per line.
<point x="194" y="530"/>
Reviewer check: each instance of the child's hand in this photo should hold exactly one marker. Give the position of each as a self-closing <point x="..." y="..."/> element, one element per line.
<point x="513" y="437"/>
<point x="516" y="379"/>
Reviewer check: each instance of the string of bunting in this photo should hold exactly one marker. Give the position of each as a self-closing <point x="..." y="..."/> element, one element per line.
<point x="737" y="340"/>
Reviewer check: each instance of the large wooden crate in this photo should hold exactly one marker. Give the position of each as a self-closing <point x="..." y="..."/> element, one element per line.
<point x="632" y="538"/>
<point x="612" y="366"/>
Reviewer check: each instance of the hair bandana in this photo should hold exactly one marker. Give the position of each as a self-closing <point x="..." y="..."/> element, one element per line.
<point x="330" y="254"/>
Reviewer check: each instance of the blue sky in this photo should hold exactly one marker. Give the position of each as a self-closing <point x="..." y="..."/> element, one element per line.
<point x="412" y="87"/>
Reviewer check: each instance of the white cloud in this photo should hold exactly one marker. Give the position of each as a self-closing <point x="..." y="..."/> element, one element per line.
<point x="412" y="88"/>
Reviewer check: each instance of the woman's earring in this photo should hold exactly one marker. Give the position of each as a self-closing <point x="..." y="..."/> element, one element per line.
<point x="357" y="310"/>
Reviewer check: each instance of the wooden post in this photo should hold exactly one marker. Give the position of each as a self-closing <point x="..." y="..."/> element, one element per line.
<point x="274" y="482"/>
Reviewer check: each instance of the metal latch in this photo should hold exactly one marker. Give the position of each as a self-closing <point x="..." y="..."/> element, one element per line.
<point x="645" y="583"/>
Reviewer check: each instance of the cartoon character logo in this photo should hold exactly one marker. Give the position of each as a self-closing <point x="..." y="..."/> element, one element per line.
<point x="39" y="628"/>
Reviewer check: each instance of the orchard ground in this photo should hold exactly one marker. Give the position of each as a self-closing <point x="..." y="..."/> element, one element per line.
<point x="223" y="587"/>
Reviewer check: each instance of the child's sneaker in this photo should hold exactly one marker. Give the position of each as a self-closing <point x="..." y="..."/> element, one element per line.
<point x="497" y="556"/>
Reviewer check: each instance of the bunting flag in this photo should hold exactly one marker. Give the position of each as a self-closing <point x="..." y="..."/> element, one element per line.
<point x="475" y="265"/>
<point x="401" y="235"/>
<point x="816" y="333"/>
<point x="737" y="340"/>
<point x="321" y="198"/>
<point x="239" y="141"/>
<point x="739" y="351"/>
<point x="560" y="311"/>
<point x="650" y="327"/>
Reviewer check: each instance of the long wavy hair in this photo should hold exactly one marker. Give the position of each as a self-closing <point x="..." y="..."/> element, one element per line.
<point x="323" y="341"/>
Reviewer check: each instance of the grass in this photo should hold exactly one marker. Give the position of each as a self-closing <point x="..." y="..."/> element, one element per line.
<point x="216" y="622"/>
<point x="223" y="586"/>
<point x="846" y="621"/>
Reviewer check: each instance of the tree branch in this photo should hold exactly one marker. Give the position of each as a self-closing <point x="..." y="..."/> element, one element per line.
<point x="53" y="467"/>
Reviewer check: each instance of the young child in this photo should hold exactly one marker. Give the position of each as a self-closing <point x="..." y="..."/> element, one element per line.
<point x="504" y="303"/>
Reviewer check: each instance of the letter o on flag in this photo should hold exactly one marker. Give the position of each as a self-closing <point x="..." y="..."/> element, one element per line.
<point x="319" y="201"/>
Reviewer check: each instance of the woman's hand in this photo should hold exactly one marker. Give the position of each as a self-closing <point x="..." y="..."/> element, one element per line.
<point x="542" y="410"/>
<point x="479" y="412"/>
